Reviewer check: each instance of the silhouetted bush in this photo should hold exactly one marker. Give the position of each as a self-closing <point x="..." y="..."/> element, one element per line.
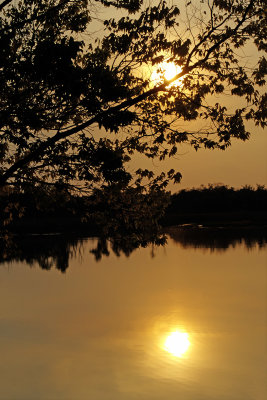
<point x="57" y="210"/>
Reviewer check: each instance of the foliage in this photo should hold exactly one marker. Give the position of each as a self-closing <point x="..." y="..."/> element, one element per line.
<point x="128" y="219"/>
<point x="76" y="106"/>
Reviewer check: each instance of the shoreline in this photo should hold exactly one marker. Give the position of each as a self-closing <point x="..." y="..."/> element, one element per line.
<point x="211" y="221"/>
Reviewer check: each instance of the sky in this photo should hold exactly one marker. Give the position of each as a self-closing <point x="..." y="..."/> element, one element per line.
<point x="244" y="163"/>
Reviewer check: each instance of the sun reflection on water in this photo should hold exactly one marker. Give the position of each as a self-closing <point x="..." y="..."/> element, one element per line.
<point x="177" y="343"/>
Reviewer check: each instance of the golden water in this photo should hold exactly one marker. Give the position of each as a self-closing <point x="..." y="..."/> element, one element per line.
<point x="185" y="324"/>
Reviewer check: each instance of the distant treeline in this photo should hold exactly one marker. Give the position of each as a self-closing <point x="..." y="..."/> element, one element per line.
<point x="215" y="198"/>
<point x="36" y="210"/>
<point x="217" y="201"/>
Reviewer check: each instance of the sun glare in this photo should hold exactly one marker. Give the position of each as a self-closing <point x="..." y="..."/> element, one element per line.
<point x="166" y="70"/>
<point x="177" y="343"/>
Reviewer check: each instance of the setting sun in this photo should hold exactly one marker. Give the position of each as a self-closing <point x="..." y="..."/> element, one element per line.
<point x="166" y="70"/>
<point x="177" y="343"/>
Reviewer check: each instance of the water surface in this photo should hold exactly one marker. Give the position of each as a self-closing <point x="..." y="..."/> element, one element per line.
<point x="100" y="330"/>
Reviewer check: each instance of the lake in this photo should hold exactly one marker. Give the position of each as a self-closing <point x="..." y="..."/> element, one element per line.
<point x="184" y="321"/>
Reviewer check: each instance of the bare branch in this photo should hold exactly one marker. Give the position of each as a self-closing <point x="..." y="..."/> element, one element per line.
<point x="225" y="37"/>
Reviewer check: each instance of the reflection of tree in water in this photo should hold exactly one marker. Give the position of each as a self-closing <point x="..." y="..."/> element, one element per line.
<point x="46" y="250"/>
<point x="56" y="251"/>
<point x="218" y="239"/>
<point x="124" y="245"/>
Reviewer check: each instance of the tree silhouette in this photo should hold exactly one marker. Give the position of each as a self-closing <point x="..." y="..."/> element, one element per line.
<point x="75" y="105"/>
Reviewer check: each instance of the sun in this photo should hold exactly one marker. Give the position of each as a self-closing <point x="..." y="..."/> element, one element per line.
<point x="177" y="343"/>
<point x="166" y="70"/>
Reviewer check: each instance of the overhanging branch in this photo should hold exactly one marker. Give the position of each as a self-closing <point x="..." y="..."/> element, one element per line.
<point x="5" y="3"/>
<point x="34" y="154"/>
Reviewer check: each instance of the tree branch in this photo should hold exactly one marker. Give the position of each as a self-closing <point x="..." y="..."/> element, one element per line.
<point x="225" y="37"/>
<point x="5" y="3"/>
<point x="34" y="154"/>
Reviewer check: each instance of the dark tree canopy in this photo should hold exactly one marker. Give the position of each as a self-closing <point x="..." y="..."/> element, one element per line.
<point x="77" y="101"/>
